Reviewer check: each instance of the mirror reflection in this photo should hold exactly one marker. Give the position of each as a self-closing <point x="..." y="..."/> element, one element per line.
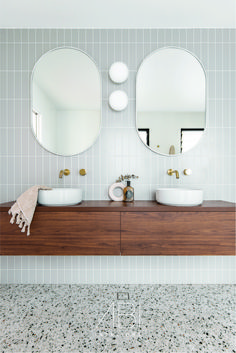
<point x="66" y="104"/>
<point x="170" y="101"/>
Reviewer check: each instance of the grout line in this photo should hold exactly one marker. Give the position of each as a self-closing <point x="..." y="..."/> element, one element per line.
<point x="99" y="156"/>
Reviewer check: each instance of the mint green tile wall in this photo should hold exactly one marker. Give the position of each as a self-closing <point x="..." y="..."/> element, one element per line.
<point x="118" y="149"/>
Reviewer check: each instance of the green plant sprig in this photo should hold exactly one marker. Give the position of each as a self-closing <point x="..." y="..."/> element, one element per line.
<point x="126" y="177"/>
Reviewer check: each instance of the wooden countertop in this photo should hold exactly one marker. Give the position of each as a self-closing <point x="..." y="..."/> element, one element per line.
<point x="136" y="206"/>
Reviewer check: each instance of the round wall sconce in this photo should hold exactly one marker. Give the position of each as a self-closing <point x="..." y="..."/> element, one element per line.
<point x="118" y="72"/>
<point x="118" y="100"/>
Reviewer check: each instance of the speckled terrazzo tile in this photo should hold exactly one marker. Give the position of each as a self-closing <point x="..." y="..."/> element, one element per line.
<point x="84" y="318"/>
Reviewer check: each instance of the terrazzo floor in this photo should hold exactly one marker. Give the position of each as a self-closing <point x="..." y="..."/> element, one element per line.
<point x="90" y="318"/>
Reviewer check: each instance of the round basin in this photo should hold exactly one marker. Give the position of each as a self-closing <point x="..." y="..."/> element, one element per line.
<point x="60" y="197"/>
<point x="179" y="196"/>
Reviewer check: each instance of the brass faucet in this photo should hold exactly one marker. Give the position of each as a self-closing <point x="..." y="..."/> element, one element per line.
<point x="64" y="172"/>
<point x="171" y="172"/>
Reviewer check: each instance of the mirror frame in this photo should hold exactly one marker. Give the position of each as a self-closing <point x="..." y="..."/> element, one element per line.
<point x="206" y="111"/>
<point x="31" y="100"/>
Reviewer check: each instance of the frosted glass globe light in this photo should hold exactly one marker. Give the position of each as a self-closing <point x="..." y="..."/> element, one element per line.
<point x="118" y="72"/>
<point x="118" y="100"/>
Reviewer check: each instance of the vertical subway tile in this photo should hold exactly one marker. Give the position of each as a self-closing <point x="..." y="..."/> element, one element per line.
<point x="118" y="148"/>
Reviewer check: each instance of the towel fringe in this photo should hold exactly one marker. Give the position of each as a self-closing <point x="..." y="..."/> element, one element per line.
<point x="18" y="219"/>
<point x="23" y="229"/>
<point x="22" y="223"/>
<point x="13" y="218"/>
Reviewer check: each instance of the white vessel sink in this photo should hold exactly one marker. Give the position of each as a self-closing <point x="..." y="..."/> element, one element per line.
<point x="60" y="197"/>
<point x="179" y="196"/>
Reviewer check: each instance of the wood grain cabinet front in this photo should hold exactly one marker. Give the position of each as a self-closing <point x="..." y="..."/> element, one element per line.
<point x="178" y="233"/>
<point x="123" y="228"/>
<point x="63" y="233"/>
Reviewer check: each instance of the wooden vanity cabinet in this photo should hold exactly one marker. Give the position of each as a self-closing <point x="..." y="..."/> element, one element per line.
<point x="119" y="228"/>
<point x="63" y="233"/>
<point x="177" y="233"/>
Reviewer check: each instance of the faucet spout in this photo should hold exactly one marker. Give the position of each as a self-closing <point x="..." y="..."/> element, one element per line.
<point x="171" y="172"/>
<point x="176" y="173"/>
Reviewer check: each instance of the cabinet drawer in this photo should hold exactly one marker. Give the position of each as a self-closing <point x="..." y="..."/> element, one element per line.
<point x="63" y="233"/>
<point x="177" y="233"/>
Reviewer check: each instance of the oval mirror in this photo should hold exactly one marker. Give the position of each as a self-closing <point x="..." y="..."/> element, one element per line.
<point x="170" y="101"/>
<point x="66" y="101"/>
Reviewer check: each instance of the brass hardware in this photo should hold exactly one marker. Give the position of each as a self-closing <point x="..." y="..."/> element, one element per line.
<point x="64" y="172"/>
<point x="82" y="172"/>
<point x="171" y="172"/>
<point x="187" y="171"/>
